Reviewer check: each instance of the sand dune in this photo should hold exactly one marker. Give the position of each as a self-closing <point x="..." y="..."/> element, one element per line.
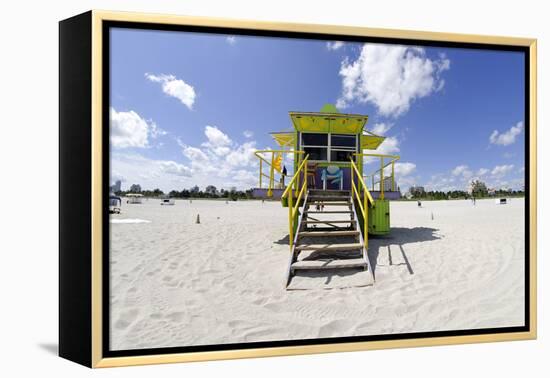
<point x="178" y="283"/>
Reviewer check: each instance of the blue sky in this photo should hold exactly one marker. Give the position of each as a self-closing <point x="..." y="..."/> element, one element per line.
<point x="190" y="108"/>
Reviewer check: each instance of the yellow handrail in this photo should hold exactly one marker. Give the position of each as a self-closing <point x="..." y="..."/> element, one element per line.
<point x="270" y="161"/>
<point x="367" y="198"/>
<point x="360" y="180"/>
<point x="380" y="170"/>
<point x="295" y="186"/>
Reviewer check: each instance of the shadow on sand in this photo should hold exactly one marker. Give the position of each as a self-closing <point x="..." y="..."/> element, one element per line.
<point x="283" y="241"/>
<point x="398" y="237"/>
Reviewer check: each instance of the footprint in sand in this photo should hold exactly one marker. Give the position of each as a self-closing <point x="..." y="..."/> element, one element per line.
<point x="153" y="272"/>
<point x="170" y="281"/>
<point x="241" y="325"/>
<point x="126" y="318"/>
<point x="336" y="327"/>
<point x="260" y="335"/>
<point x="275" y="306"/>
<point x="177" y="316"/>
<point x="260" y="301"/>
<point x="137" y="268"/>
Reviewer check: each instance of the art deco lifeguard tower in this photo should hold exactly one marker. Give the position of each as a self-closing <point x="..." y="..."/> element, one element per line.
<point x="317" y="172"/>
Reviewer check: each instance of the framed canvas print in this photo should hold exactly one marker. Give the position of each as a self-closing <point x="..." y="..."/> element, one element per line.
<point x="235" y="189"/>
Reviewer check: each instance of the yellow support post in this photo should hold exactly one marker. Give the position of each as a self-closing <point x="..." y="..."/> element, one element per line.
<point x="364" y="203"/>
<point x="365" y="220"/>
<point x="295" y="187"/>
<point x="393" y="176"/>
<point x="261" y="162"/>
<point x="352" y="174"/>
<point x="290" y="219"/>
<point x="271" y="173"/>
<point x="381" y="178"/>
<point x="305" y="177"/>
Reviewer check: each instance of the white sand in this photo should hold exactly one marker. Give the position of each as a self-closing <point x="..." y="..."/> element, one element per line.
<point x="128" y="221"/>
<point x="178" y="283"/>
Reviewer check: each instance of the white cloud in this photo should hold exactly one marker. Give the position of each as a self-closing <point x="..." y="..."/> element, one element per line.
<point x="508" y="137"/>
<point x="218" y="142"/>
<point x="175" y="87"/>
<point x="444" y="183"/>
<point x="502" y="170"/>
<point x="243" y="178"/>
<point x="460" y="177"/>
<point x="222" y="162"/>
<point x="231" y="39"/>
<point x="171" y="167"/>
<point x="194" y="154"/>
<point x="390" y="77"/>
<point x="129" y="129"/>
<point x="462" y="170"/>
<point x="403" y="172"/>
<point x="202" y="167"/>
<point x="216" y="137"/>
<point x="335" y="45"/>
<point x="389" y="146"/>
<point x="242" y="156"/>
<point x="150" y="173"/>
<point x="381" y="128"/>
<point x="404" y="169"/>
<point x="482" y="172"/>
<point x="248" y="134"/>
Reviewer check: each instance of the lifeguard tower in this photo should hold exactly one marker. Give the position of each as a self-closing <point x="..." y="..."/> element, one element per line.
<point x="317" y="172"/>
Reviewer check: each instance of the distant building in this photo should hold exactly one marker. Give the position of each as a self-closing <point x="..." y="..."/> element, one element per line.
<point x="117" y="187"/>
<point x="417" y="191"/>
<point x="388" y="184"/>
<point x="135" y="188"/>
<point x="211" y="189"/>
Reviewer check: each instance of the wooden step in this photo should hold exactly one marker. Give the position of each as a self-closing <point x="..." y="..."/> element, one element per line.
<point x="329" y="247"/>
<point x="329" y="212"/>
<point x="331" y="227"/>
<point x="329" y="264"/>
<point x="328" y="191"/>
<point x="328" y="221"/>
<point x="347" y="203"/>
<point x="327" y="233"/>
<point x="315" y="198"/>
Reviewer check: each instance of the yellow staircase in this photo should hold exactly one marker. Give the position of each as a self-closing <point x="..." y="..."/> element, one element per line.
<point x="328" y="236"/>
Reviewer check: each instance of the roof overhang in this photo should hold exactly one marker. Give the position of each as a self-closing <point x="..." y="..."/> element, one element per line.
<point x="370" y="141"/>
<point x="337" y="123"/>
<point x="284" y="139"/>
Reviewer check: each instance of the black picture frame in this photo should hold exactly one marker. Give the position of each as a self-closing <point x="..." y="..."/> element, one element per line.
<point x="77" y="335"/>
